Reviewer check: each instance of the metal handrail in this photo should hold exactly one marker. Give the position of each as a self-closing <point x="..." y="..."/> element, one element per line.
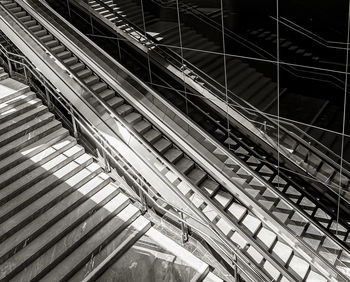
<point x="103" y="144"/>
<point x="214" y="90"/>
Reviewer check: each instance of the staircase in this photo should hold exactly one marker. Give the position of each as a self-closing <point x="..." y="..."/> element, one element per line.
<point x="61" y="217"/>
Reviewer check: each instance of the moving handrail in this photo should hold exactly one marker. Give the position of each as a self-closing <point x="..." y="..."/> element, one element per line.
<point x="143" y="187"/>
<point x="252" y="114"/>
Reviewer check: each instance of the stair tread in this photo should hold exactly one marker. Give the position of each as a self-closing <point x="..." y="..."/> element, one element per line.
<point x="184" y="165"/>
<point x="78" y="213"/>
<point x="267" y="237"/>
<point x="41" y="221"/>
<point x="86" y="176"/>
<point x="76" y="235"/>
<point x="162" y="145"/>
<point x="128" y="236"/>
<point x="210" y="186"/>
<point x="57" y="166"/>
<point x="116" y="101"/>
<point x="110" y="251"/>
<point x="26" y="127"/>
<point x="106" y="94"/>
<point x="133" y="117"/>
<point x="34" y="148"/>
<point x="38" y="159"/>
<point x="21" y="117"/>
<point x="16" y="101"/>
<point x="17" y="109"/>
<point x="25" y="139"/>
<point x="173" y="155"/>
<point x="10" y="88"/>
<point x="142" y="126"/>
<point x="152" y="135"/>
<point x="124" y="109"/>
<point x="196" y="175"/>
<point x="98" y="86"/>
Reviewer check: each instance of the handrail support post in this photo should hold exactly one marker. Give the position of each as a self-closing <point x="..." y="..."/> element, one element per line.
<point x="74" y="124"/>
<point x="48" y="99"/>
<point x="10" y="66"/>
<point x="184" y="229"/>
<point x="142" y="199"/>
<point x="68" y="7"/>
<point x="25" y="74"/>
<point x="107" y="166"/>
<point x="235" y="270"/>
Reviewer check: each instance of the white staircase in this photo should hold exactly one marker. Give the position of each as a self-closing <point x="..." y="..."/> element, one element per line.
<point x="61" y="217"/>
